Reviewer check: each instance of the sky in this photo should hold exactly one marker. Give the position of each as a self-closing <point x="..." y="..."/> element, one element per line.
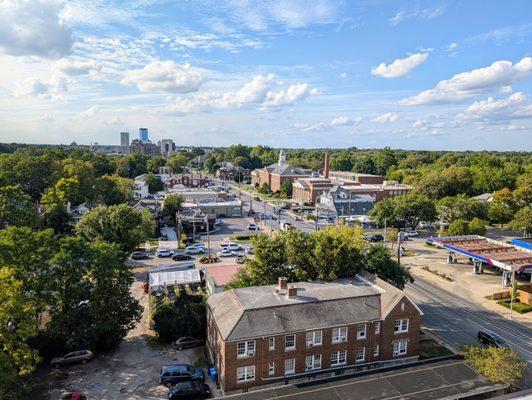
<point x="435" y="75"/>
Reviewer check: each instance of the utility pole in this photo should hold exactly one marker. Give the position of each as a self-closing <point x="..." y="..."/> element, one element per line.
<point x="208" y="236"/>
<point x="350" y="195"/>
<point x="385" y="220"/>
<point x="513" y="293"/>
<point x="399" y="246"/>
<point x="316" y="221"/>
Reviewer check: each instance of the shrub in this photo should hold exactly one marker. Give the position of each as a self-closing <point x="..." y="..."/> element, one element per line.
<point x="477" y="227"/>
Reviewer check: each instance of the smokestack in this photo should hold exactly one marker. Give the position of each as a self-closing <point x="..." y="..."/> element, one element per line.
<point x="292" y="292"/>
<point x="283" y="283"/>
<point x="326" y="166"/>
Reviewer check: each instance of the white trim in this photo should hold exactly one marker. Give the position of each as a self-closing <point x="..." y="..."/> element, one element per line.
<point x="394" y="304"/>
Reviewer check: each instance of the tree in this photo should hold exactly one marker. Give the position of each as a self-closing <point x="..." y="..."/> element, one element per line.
<point x="414" y="208"/>
<point x="172" y="204"/>
<point x="364" y="165"/>
<point x="497" y="364"/>
<point x="503" y="207"/>
<point x="522" y="221"/>
<point x="286" y="189"/>
<point x="384" y="212"/>
<point x="113" y="189"/>
<point x="118" y="224"/>
<point x="132" y="165"/>
<point x="16" y="207"/>
<point x="381" y="264"/>
<point x="155" y="163"/>
<point x="154" y="183"/>
<point x="384" y="160"/>
<point x="477" y="227"/>
<point x="341" y="163"/>
<point x="58" y="219"/>
<point x="177" y="162"/>
<point x="460" y="207"/>
<point x="185" y="316"/>
<point x="458" y="227"/>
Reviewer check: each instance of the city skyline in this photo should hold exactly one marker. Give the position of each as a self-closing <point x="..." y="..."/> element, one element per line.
<point x="432" y="75"/>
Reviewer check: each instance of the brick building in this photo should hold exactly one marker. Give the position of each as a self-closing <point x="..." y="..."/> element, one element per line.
<point x="189" y="180"/>
<point x="364" y="179"/>
<point x="268" y="334"/>
<point x="275" y="174"/>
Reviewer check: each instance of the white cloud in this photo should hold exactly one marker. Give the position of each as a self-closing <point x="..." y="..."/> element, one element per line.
<point x="400" y="66"/>
<point x="76" y="67"/>
<point x="165" y="76"/>
<point x="38" y="88"/>
<point x="343" y="75"/>
<point x="425" y="125"/>
<point x="497" y="77"/>
<point x="33" y="27"/>
<point x="90" y="113"/>
<point x="423" y="14"/>
<point x="515" y="106"/>
<point x="388" y="117"/>
<point x="334" y="123"/>
<point x="256" y="91"/>
<point x="346" y="121"/>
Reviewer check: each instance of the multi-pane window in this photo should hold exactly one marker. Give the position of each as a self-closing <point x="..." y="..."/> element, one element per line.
<point x="313" y="362"/>
<point x="377" y="327"/>
<point x="245" y="349"/>
<point x="290" y="366"/>
<point x="314" y="338"/>
<point x="401" y="325"/>
<point x="339" y="334"/>
<point x="245" y="374"/>
<point x="338" y="358"/>
<point x="399" y="347"/>
<point x="361" y="332"/>
<point x="360" y="354"/>
<point x="375" y="350"/>
<point x="271" y="368"/>
<point x="271" y="343"/>
<point x="290" y="342"/>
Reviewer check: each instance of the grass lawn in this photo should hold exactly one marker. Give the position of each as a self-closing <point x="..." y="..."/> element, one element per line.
<point x="519" y="307"/>
<point x="242" y="238"/>
<point x="431" y="349"/>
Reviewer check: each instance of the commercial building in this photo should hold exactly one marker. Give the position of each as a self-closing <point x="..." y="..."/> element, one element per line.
<point x="276" y="174"/>
<point x="147" y="148"/>
<point x="143" y="135"/>
<point x="218" y="207"/>
<point x="167" y="147"/>
<point x="187" y="179"/>
<point x="262" y="335"/>
<point x="364" y="179"/>
<point x="197" y="195"/>
<point x="124" y="142"/>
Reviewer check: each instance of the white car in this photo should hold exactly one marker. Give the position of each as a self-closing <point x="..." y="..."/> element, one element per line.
<point x="253" y="227"/>
<point x="226" y="253"/>
<point x="409" y="234"/>
<point x="230" y="246"/>
<point x="163" y="252"/>
<point x="248" y="250"/>
<point x="202" y="245"/>
<point x="195" y="250"/>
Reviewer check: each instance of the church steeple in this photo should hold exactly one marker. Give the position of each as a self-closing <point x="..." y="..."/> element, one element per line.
<point x="282" y="158"/>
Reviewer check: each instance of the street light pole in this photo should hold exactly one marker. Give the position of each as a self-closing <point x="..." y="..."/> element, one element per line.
<point x="513" y="293"/>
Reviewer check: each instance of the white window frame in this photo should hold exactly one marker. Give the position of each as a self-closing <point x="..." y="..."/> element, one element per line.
<point x="289" y="348"/>
<point x="292" y="363"/>
<point x="375" y="351"/>
<point x="245" y="374"/>
<point x="271" y="368"/>
<point x="338" y="355"/>
<point x="401" y="325"/>
<point x="363" y="331"/>
<point x="402" y="307"/>
<point x="377" y="328"/>
<point x="245" y="349"/>
<point x="359" y="359"/>
<point x="313" y="362"/>
<point x="400" y="347"/>
<point x="339" y="335"/>
<point x="314" y="338"/>
<point x="271" y="344"/>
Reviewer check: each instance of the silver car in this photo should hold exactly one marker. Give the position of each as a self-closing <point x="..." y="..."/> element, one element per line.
<point x="81" y="356"/>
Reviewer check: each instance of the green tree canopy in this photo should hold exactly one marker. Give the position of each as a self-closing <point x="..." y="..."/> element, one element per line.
<point x="177" y="162"/>
<point x="154" y="183"/>
<point x="172" y="204"/>
<point x="16" y="207"/>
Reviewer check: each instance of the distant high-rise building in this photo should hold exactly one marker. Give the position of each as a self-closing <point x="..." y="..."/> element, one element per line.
<point x="143" y="135"/>
<point x="167" y="147"/>
<point x="139" y="147"/>
<point x="124" y="139"/>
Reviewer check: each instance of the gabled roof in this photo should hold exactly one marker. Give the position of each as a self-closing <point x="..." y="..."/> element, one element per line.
<point x="262" y="311"/>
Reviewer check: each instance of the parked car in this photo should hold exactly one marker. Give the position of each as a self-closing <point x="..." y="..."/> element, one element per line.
<point x="177" y="373"/>
<point x="74" y="357"/>
<point x="199" y="244"/>
<point x="270" y="217"/>
<point x="73" y="396"/>
<point x="181" y="257"/>
<point x="139" y="255"/>
<point x="189" y="390"/>
<point x="187" y="342"/>
<point x="231" y="246"/>
<point x="217" y="221"/>
<point x="226" y="253"/>
<point x="253" y="227"/>
<point x="164" y="252"/>
<point x="251" y="212"/>
<point x="409" y="233"/>
<point x="164" y="237"/>
<point x="491" y="339"/>
<point x="248" y="250"/>
<point x="298" y="218"/>
<point x="375" y="238"/>
<point x="240" y="259"/>
<point x="194" y="250"/>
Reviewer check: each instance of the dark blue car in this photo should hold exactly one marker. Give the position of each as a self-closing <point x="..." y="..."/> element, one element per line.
<point x="176" y="373"/>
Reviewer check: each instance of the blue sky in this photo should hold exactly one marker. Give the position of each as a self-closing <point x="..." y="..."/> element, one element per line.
<point x="293" y="73"/>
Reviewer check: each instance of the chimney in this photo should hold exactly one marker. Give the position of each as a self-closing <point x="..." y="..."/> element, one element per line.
<point x="326" y="166"/>
<point x="292" y="292"/>
<point x="283" y="283"/>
